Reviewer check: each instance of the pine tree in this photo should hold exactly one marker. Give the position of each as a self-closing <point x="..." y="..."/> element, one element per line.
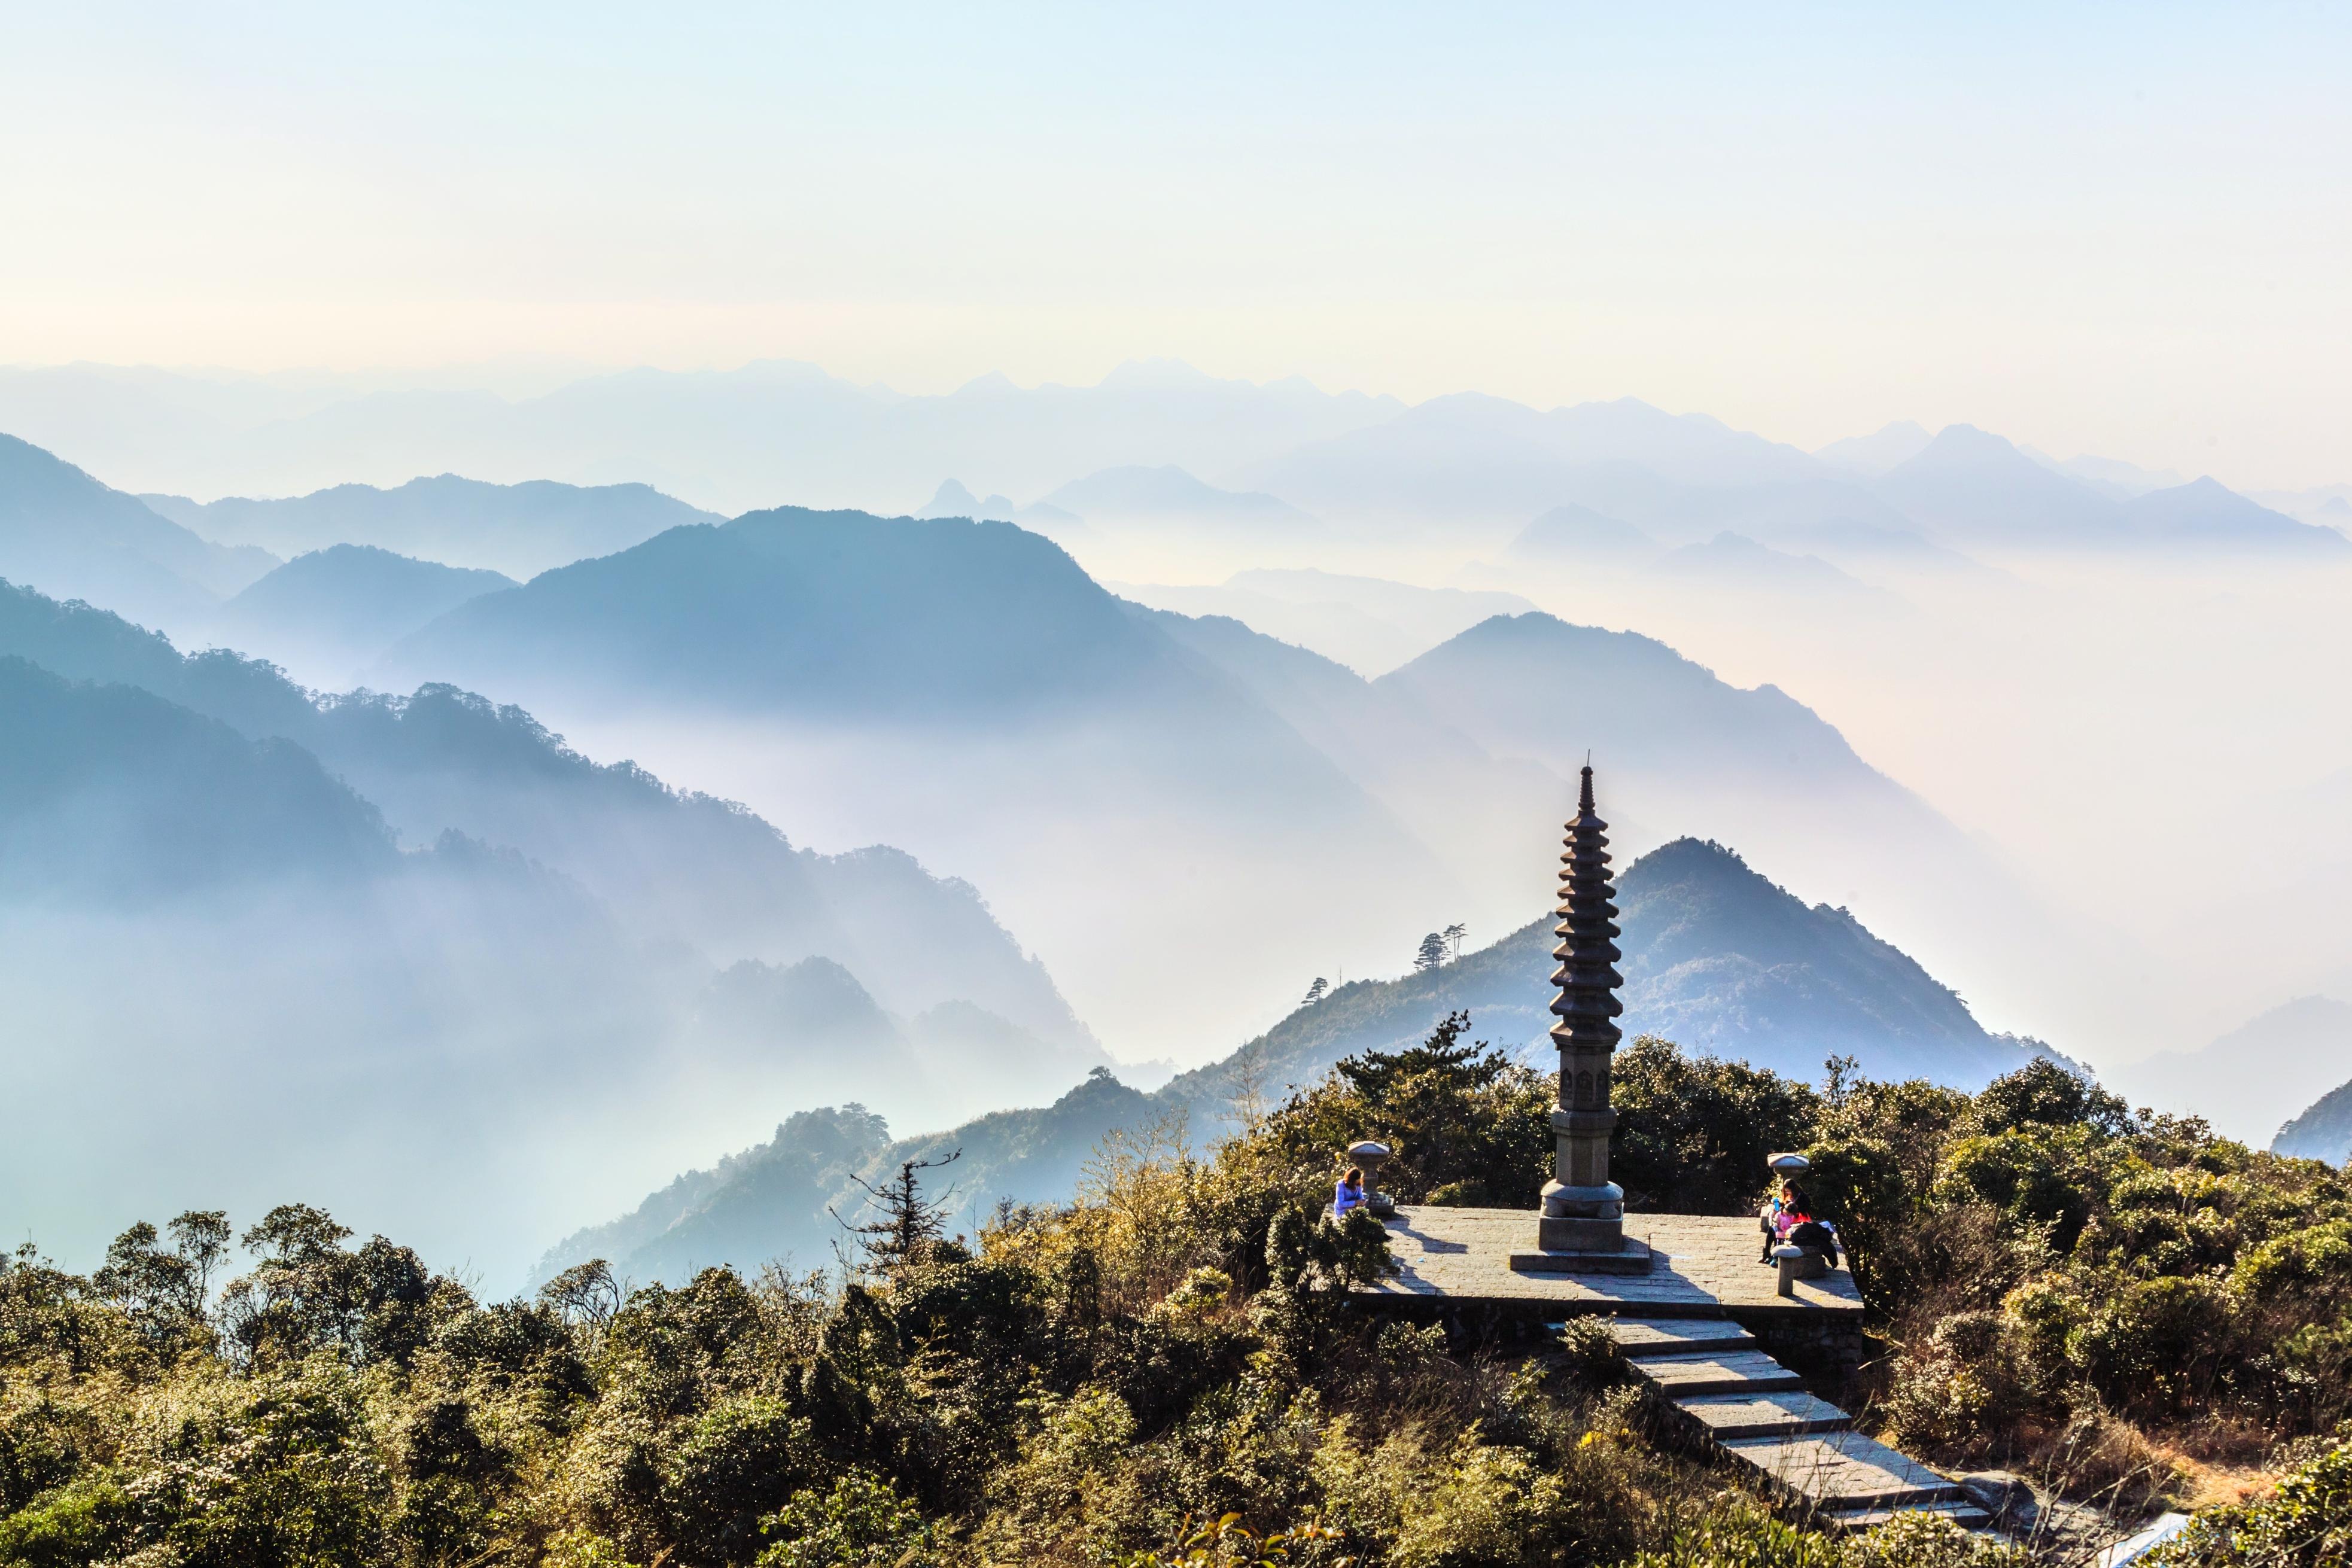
<point x="1317" y="992"/>
<point x="1431" y="954"/>
<point x="1456" y="1067"/>
<point x="909" y="1225"/>
<point x="1454" y="1110"/>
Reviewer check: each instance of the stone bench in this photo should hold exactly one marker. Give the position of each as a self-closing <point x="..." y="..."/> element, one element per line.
<point x="1799" y="1263"/>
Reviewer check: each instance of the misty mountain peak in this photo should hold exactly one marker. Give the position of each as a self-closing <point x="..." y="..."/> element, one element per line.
<point x="1965" y="445"/>
<point x="1156" y="373"/>
<point x="952" y="499"/>
<point x="1578" y="532"/>
<point x="1879" y="450"/>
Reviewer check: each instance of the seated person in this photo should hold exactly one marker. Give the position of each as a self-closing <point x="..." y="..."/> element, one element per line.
<point x="1787" y="1219"/>
<point x="1349" y="1194"/>
<point x="1789" y="1222"/>
<point x="1776" y="1204"/>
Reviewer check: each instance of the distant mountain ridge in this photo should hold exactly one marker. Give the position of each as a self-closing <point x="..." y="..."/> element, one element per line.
<point x="340" y="607"/>
<point x="2257" y="1077"/>
<point x="677" y="863"/>
<point x="1971" y="486"/>
<point x="746" y="438"/>
<point x="994" y="619"/>
<point x="70" y="535"/>
<point x="520" y="530"/>
<point x="839" y="650"/>
<point x="732" y="440"/>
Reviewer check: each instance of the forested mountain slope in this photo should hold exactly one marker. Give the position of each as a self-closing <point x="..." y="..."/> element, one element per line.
<point x="2324" y="1131"/>
<point x="1718" y="959"/>
<point x="112" y="795"/>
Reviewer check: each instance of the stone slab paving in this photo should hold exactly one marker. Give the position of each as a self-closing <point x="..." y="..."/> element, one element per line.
<point x="1649" y="1339"/>
<point x="1967" y="1515"/>
<point x="1726" y="1417"/>
<point x="1713" y="1373"/>
<point x="1732" y="1372"/>
<point x="1707" y="1267"/>
<point x="1844" y="1469"/>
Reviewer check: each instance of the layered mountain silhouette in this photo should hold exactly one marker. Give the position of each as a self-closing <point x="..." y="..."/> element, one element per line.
<point x="2254" y="1078"/>
<point x="1971" y="487"/>
<point x="339" y="608"/>
<point x="422" y="898"/>
<point x="732" y="440"/>
<point x="1136" y="495"/>
<point x="1366" y="623"/>
<point x="67" y="534"/>
<point x="1576" y="534"/>
<point x="1715" y="958"/>
<point x="964" y="689"/>
<point x="673" y="865"/>
<point x="517" y="529"/>
<point x="112" y="796"/>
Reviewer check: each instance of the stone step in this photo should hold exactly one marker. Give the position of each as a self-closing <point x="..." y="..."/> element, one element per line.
<point x="1729" y="1417"/>
<point x="1844" y="1470"/>
<point x="1647" y="1339"/>
<point x="1967" y="1515"/>
<point x="1732" y="1372"/>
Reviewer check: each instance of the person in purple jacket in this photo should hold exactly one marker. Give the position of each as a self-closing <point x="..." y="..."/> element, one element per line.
<point x="1349" y="1193"/>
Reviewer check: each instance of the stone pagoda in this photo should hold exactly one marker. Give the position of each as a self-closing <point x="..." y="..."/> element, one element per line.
<point x="1582" y="1227"/>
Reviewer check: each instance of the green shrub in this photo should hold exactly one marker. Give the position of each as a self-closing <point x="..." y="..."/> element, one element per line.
<point x="2305" y="1523"/>
<point x="2154" y="1341"/>
<point x="70" y="1526"/>
<point x="860" y="1522"/>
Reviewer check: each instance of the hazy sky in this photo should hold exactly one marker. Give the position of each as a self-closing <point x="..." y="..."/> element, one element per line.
<point x="2115" y="229"/>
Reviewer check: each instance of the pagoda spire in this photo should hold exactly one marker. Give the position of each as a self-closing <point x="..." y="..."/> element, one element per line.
<point x="1582" y="1226"/>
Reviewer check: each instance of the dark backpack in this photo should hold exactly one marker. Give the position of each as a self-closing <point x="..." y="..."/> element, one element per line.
<point x="1815" y="1237"/>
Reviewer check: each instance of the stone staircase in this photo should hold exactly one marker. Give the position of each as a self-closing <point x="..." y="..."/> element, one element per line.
<point x="1715" y="1376"/>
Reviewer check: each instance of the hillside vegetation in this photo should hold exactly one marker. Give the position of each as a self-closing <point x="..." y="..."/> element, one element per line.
<point x="1168" y="1369"/>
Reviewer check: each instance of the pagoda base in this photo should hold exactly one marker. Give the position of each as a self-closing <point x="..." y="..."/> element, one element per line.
<point x="1631" y="1256"/>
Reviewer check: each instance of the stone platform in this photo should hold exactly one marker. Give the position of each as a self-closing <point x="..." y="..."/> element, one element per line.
<point x="1704" y="1331"/>
<point x="1705" y="1267"/>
